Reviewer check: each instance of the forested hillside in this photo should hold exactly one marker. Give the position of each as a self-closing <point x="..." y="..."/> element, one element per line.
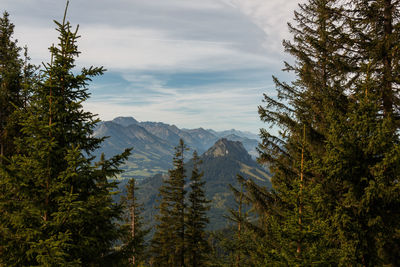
<point x="220" y="164"/>
<point x="324" y="191"/>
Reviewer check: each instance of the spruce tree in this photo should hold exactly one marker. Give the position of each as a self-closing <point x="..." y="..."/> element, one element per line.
<point x="197" y="248"/>
<point x="363" y="145"/>
<point x="334" y="162"/>
<point x="134" y="248"/>
<point x="243" y="241"/>
<point x="291" y="228"/>
<point x="168" y="244"/>
<point x="12" y="73"/>
<point x="17" y="78"/>
<point x="58" y="207"/>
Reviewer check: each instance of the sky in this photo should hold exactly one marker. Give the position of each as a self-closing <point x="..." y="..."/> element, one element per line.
<point x="185" y="62"/>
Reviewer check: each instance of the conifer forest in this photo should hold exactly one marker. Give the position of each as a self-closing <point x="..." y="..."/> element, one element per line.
<point x="330" y="145"/>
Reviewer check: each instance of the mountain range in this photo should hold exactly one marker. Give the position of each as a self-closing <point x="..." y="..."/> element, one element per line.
<point x="153" y="143"/>
<point x="224" y="155"/>
<point x="220" y="165"/>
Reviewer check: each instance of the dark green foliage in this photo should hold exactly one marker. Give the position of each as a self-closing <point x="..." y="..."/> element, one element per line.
<point x="367" y="216"/>
<point x="222" y="245"/>
<point x="241" y="244"/>
<point x="335" y="197"/>
<point x="180" y="237"/>
<point x="289" y="224"/>
<point x="226" y="246"/>
<point x="197" y="219"/>
<point x="16" y="79"/>
<point x="168" y="244"/>
<point x="10" y="81"/>
<point x="56" y="205"/>
<point x="219" y="172"/>
<point x="133" y="251"/>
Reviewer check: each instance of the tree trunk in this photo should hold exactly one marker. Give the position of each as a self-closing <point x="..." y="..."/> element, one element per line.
<point x="301" y="191"/>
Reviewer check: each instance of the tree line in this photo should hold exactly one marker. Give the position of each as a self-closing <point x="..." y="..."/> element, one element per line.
<point x="335" y="160"/>
<point x="56" y="200"/>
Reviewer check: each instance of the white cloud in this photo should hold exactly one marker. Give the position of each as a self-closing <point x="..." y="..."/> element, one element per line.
<point x="135" y="37"/>
<point x="144" y="49"/>
<point x="271" y="16"/>
<point x="217" y="110"/>
<point x="224" y="107"/>
<point x="156" y="34"/>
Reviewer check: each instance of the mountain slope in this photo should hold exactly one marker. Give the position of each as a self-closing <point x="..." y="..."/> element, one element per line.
<point x="197" y="139"/>
<point x="203" y="139"/>
<point x="125" y="121"/>
<point x="153" y="143"/>
<point x="221" y="163"/>
<point x="150" y="154"/>
<point x="249" y="144"/>
<point x="169" y="133"/>
<point x="244" y="134"/>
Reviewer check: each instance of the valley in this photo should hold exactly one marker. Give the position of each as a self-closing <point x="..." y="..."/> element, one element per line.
<point x="224" y="155"/>
<point x="153" y="143"/>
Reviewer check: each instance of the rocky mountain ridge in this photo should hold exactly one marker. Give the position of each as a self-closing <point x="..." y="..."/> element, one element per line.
<point x="220" y="165"/>
<point x="153" y="143"/>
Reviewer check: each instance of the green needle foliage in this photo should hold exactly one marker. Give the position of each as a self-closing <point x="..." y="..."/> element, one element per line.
<point x="57" y="207"/>
<point x="168" y="244"/>
<point x="290" y="225"/>
<point x="363" y="145"/>
<point x="134" y="248"/>
<point x="197" y="247"/>
<point x="15" y="73"/>
<point x="180" y="237"/>
<point x="335" y="197"/>
<point x="17" y="78"/>
<point x="242" y="243"/>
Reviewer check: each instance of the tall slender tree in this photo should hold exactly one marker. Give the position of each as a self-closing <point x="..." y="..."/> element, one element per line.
<point x="58" y="207"/>
<point x="17" y="77"/>
<point x="11" y="84"/>
<point x="302" y="112"/>
<point x="363" y="145"/>
<point x="243" y="240"/>
<point x="336" y="193"/>
<point x="197" y="248"/>
<point x="168" y="244"/>
<point x="134" y="249"/>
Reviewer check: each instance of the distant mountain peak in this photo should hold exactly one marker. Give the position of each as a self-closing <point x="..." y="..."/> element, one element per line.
<point x="125" y="121"/>
<point x="224" y="147"/>
<point x="220" y="166"/>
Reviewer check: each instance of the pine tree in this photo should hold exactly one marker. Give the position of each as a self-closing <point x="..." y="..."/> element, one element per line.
<point x="17" y="77"/>
<point x="239" y="228"/>
<point x="58" y="207"/>
<point x="243" y="241"/>
<point x="134" y="248"/>
<point x="289" y="223"/>
<point x="197" y="220"/>
<point x="12" y="72"/>
<point x="363" y="146"/>
<point x="335" y="197"/>
<point x="168" y="244"/>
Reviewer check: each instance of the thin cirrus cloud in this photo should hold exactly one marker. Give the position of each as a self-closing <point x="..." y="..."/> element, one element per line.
<point x="190" y="63"/>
